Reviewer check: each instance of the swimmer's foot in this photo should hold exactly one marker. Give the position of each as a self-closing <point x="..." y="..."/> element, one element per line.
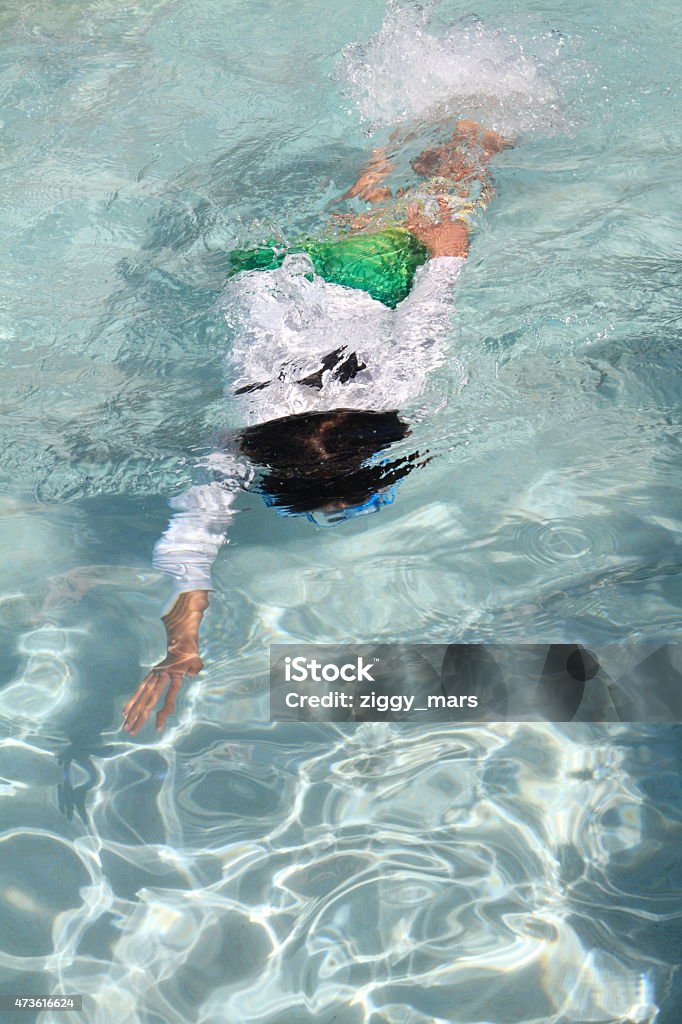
<point x="490" y="141"/>
<point x="464" y="157"/>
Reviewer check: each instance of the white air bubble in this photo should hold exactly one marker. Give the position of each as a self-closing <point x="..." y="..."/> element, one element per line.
<point x="406" y="73"/>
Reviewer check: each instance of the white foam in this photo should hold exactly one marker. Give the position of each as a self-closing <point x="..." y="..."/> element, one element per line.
<point x="407" y="72"/>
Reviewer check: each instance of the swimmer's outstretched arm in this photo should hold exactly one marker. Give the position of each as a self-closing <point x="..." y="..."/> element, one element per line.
<point x="186" y="553"/>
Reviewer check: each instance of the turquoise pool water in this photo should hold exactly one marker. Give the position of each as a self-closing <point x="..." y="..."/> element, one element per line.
<point x="234" y="870"/>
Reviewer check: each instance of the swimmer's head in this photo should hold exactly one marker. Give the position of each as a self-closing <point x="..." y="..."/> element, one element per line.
<point x="326" y="462"/>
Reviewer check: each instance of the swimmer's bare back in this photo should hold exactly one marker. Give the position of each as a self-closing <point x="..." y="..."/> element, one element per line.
<point x="442" y="235"/>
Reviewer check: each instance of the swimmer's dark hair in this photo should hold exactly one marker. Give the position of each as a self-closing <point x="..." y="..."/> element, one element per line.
<point x="311" y="460"/>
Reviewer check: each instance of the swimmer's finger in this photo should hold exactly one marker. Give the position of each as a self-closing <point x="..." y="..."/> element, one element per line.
<point x="141" y="693"/>
<point x="153" y="694"/>
<point x="169" y="703"/>
<point x="137" y="719"/>
<point x="147" y="694"/>
<point x="143" y="685"/>
<point x="132" y="718"/>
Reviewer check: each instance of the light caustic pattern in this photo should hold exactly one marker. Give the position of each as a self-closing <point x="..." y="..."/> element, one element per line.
<point x="382" y="874"/>
<point x="232" y="871"/>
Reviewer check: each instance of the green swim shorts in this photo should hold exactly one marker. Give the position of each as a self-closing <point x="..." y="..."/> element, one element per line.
<point x="382" y="263"/>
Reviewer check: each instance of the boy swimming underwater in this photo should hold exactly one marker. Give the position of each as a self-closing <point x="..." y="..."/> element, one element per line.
<point x="328" y="334"/>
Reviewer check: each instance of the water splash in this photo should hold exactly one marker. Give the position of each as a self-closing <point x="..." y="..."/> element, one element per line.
<point x="410" y="71"/>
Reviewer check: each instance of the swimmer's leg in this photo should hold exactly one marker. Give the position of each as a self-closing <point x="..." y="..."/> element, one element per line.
<point x="367" y="186"/>
<point x="442" y="234"/>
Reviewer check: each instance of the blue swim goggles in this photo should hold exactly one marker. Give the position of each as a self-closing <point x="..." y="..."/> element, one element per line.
<point x="338" y="515"/>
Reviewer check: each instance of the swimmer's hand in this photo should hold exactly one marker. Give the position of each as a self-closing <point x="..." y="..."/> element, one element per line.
<point x="442" y="236"/>
<point x="169" y="671"/>
<point x="182" y="659"/>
